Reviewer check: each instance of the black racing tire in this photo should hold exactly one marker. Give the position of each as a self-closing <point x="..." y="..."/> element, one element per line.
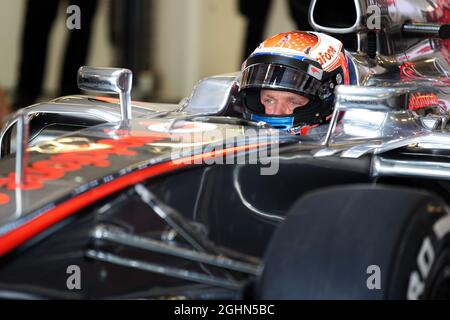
<point x="336" y="243"/>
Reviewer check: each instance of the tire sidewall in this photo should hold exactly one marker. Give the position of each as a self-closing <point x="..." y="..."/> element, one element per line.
<point x="421" y="254"/>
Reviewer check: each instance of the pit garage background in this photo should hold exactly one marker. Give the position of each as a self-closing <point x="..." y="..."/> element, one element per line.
<point x="187" y="40"/>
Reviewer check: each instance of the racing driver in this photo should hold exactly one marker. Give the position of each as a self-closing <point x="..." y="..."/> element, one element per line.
<point x="288" y="81"/>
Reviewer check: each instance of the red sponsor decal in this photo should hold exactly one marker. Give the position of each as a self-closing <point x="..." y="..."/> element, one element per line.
<point x="421" y="101"/>
<point x="58" y="165"/>
<point x="425" y="49"/>
<point x="4" y="198"/>
<point x="314" y="70"/>
<point x="108" y="99"/>
<point x="326" y="56"/>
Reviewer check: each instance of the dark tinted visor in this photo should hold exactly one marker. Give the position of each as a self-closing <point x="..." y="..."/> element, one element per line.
<point x="279" y="77"/>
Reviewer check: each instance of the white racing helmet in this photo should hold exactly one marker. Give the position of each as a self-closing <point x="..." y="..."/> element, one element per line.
<point x="306" y="63"/>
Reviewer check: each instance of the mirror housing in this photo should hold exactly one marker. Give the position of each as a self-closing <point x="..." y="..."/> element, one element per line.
<point x="109" y="80"/>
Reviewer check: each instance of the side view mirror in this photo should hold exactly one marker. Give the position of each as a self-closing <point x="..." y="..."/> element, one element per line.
<point x="109" y="80"/>
<point x="379" y="26"/>
<point x="321" y="18"/>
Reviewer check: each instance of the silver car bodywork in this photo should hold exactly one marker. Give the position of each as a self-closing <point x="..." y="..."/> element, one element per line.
<point x="372" y="116"/>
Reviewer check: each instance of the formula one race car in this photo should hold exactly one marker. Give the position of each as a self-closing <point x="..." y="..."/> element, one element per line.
<point x="108" y="198"/>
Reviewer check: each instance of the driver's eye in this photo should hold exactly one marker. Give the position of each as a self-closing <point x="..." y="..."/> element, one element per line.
<point x="268" y="101"/>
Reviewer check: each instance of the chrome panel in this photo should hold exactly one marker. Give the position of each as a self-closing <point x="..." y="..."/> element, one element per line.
<point x="212" y="95"/>
<point x="431" y="139"/>
<point x="377" y="119"/>
<point x="363" y="113"/>
<point x="88" y="108"/>
<point x="327" y="152"/>
<point x="359" y="151"/>
<point x="427" y="140"/>
<point x="21" y="147"/>
<point x="421" y="169"/>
